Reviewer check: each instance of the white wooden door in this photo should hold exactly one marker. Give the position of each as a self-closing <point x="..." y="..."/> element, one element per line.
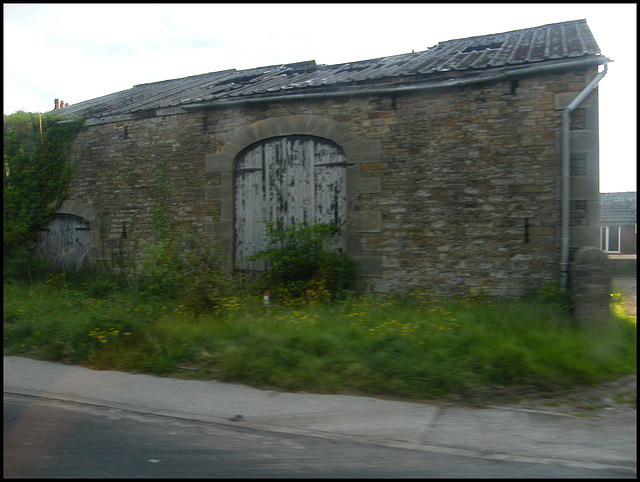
<point x="289" y="181"/>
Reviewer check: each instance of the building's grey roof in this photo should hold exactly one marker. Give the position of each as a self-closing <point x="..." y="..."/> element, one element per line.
<point x="618" y="208"/>
<point x="554" y="43"/>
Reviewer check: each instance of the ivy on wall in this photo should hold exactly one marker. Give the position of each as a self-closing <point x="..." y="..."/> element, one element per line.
<point x="37" y="171"/>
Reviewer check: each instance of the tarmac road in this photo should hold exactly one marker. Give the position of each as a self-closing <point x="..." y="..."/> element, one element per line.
<point x="69" y="421"/>
<point x="71" y="440"/>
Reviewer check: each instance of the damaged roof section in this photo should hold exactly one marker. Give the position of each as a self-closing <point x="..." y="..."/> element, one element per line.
<point x="555" y="43"/>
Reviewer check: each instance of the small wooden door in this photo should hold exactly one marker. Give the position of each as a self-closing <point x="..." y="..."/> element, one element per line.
<point x="65" y="241"/>
<point x="287" y="180"/>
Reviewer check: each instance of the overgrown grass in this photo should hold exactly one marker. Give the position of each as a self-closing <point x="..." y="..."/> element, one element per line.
<point x="419" y="346"/>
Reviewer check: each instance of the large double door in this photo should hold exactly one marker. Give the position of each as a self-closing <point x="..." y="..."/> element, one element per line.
<point x="287" y="181"/>
<point x="65" y="241"/>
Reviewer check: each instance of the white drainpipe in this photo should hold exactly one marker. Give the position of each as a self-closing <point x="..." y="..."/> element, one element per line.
<point x="566" y="166"/>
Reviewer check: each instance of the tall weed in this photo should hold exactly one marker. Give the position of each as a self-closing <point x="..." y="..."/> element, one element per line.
<point x="419" y="346"/>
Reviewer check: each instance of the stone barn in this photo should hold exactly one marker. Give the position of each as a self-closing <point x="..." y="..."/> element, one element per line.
<point x="472" y="165"/>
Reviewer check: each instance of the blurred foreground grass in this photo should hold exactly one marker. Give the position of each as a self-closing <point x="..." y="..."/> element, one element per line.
<point x="419" y="346"/>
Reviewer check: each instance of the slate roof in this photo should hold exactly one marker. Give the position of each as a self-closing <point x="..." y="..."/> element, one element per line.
<point x="618" y="208"/>
<point x="554" y="43"/>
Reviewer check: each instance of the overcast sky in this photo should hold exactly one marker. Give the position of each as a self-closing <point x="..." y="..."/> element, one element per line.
<point x="77" y="52"/>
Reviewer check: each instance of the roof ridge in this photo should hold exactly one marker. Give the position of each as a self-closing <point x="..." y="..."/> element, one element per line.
<point x="568" y="22"/>
<point x="551" y="43"/>
<point x="157" y="82"/>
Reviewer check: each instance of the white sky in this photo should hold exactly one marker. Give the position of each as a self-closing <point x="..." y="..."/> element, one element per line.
<point x="77" y="52"/>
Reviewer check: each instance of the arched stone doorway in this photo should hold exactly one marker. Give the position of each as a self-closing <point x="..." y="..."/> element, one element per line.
<point x="221" y="164"/>
<point x="71" y="238"/>
<point x="288" y="181"/>
<point x="66" y="241"/>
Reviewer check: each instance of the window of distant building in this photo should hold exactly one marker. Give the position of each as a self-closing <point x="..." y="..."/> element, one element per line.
<point x="610" y="239"/>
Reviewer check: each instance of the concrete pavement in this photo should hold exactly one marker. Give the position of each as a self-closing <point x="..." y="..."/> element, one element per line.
<point x="496" y="433"/>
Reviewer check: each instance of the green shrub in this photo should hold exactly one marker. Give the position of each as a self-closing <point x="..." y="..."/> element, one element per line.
<point x="186" y="268"/>
<point x="553" y="294"/>
<point x="22" y="262"/>
<point x="300" y="266"/>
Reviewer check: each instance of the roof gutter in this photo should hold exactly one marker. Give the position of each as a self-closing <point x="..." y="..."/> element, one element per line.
<point x="566" y="177"/>
<point x="405" y="88"/>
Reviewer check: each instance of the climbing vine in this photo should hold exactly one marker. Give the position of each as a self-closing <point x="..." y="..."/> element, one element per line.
<point x="37" y="171"/>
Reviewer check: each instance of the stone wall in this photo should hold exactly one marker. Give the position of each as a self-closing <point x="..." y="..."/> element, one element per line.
<point x="451" y="189"/>
<point x="591" y="285"/>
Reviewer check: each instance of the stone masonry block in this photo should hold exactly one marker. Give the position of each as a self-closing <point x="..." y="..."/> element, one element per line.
<point x="592" y="163"/>
<point x="229" y="152"/>
<point x="591" y="285"/>
<point x="217" y="163"/>
<point x="225" y="229"/>
<point x="344" y="137"/>
<point x="306" y="124"/>
<point x="287" y="126"/>
<point x="324" y="127"/>
<point x="353" y="171"/>
<point x="585" y="188"/>
<point x="245" y="136"/>
<point x="210" y="193"/>
<point x="592" y="121"/>
<point x="94" y="238"/>
<point x="226" y="210"/>
<point x="364" y="221"/>
<point x="368" y="265"/>
<point x="226" y="178"/>
<point x="563" y="99"/>
<point x="367" y="185"/>
<point x="593" y="213"/>
<point x="584" y="236"/>
<point x="353" y="244"/>
<point x="265" y="129"/>
<point x="224" y="191"/>
<point x="585" y="140"/>
<point x="209" y="229"/>
<point x="218" y="192"/>
<point x="366" y="151"/>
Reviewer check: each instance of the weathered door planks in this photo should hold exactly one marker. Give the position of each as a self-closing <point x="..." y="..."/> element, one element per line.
<point x="289" y="181"/>
<point x="65" y="241"/>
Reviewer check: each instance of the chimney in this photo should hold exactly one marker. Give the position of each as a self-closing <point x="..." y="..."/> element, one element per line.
<point x="59" y="104"/>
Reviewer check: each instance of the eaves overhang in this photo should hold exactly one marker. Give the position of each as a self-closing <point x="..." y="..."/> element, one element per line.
<point x="487" y="75"/>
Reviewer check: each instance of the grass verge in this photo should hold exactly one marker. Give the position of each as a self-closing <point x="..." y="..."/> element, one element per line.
<point x="417" y="347"/>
